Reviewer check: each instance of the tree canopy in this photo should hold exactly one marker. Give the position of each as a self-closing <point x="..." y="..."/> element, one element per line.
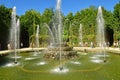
<point x="5" y="19"/>
<point x="71" y="24"/>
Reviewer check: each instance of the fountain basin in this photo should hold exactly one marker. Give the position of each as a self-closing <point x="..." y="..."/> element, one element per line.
<point x="80" y="67"/>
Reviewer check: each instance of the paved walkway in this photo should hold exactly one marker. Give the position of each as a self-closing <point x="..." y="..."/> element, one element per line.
<point x="89" y="49"/>
<point x="21" y="50"/>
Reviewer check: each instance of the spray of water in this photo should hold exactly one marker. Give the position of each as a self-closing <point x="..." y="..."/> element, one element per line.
<point x="58" y="9"/>
<point x="80" y="35"/>
<point x="101" y="31"/>
<point x="14" y="33"/>
<point x="53" y="37"/>
<point x="37" y="37"/>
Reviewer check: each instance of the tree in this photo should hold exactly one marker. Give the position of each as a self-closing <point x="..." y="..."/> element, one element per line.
<point x="5" y="19"/>
<point x="29" y="22"/>
<point x="47" y="15"/>
<point x="47" y="19"/>
<point x="88" y="20"/>
<point x="67" y="22"/>
<point x="109" y="25"/>
<point x="116" y="14"/>
<point x="77" y="17"/>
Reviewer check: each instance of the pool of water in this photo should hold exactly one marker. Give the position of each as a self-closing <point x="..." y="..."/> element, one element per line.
<point x="88" y="66"/>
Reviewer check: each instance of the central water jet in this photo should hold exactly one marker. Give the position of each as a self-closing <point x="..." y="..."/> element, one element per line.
<point x="58" y="9"/>
<point x="101" y="31"/>
<point x="14" y="33"/>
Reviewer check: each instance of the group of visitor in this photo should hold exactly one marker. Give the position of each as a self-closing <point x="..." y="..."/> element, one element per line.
<point x="116" y="44"/>
<point x="104" y="44"/>
<point x="93" y="44"/>
<point x="10" y="46"/>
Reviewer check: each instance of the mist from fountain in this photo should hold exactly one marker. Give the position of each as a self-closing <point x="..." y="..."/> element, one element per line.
<point x="13" y="30"/>
<point x="18" y="33"/>
<point x="56" y="34"/>
<point x="80" y="35"/>
<point x="51" y="33"/>
<point x="37" y="37"/>
<point x="14" y="33"/>
<point x="56" y="28"/>
<point x="58" y="9"/>
<point x="101" y="31"/>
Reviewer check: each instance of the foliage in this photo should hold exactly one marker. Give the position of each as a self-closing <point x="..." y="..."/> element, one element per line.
<point x="5" y="17"/>
<point x="116" y="15"/>
<point x="71" y="23"/>
<point x="47" y="15"/>
<point x="29" y="22"/>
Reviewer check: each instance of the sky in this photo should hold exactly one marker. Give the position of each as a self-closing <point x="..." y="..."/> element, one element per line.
<point x="66" y="6"/>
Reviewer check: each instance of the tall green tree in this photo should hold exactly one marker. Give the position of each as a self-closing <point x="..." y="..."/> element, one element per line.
<point x="88" y="20"/>
<point x="67" y="22"/>
<point x="47" y="18"/>
<point x="116" y="14"/>
<point x="47" y="15"/>
<point x="29" y="22"/>
<point x="109" y="18"/>
<point x="109" y="25"/>
<point x="5" y="19"/>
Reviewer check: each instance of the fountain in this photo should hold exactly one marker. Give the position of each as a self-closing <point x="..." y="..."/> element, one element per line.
<point x="101" y="31"/>
<point x="14" y="33"/>
<point x="80" y="35"/>
<point x="36" y="41"/>
<point x="37" y="37"/>
<point x="18" y="33"/>
<point x="51" y="33"/>
<point x="74" y="68"/>
<point x="57" y="49"/>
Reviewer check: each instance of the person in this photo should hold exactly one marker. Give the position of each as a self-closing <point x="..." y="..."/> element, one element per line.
<point x="119" y="44"/>
<point x="92" y="45"/>
<point x="104" y="44"/>
<point x="80" y="44"/>
<point x="108" y="44"/>
<point x="9" y="46"/>
<point x="31" y="45"/>
<point x="114" y="44"/>
<point x="86" y="44"/>
<point x="21" y="44"/>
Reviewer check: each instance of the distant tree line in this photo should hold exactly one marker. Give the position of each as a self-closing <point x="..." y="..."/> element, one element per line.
<point x="70" y="22"/>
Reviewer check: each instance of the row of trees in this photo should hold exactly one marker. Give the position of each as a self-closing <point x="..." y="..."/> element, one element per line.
<point x="5" y="18"/>
<point x="71" y="23"/>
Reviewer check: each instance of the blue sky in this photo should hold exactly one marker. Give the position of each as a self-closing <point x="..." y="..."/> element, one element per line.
<point x="66" y="6"/>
